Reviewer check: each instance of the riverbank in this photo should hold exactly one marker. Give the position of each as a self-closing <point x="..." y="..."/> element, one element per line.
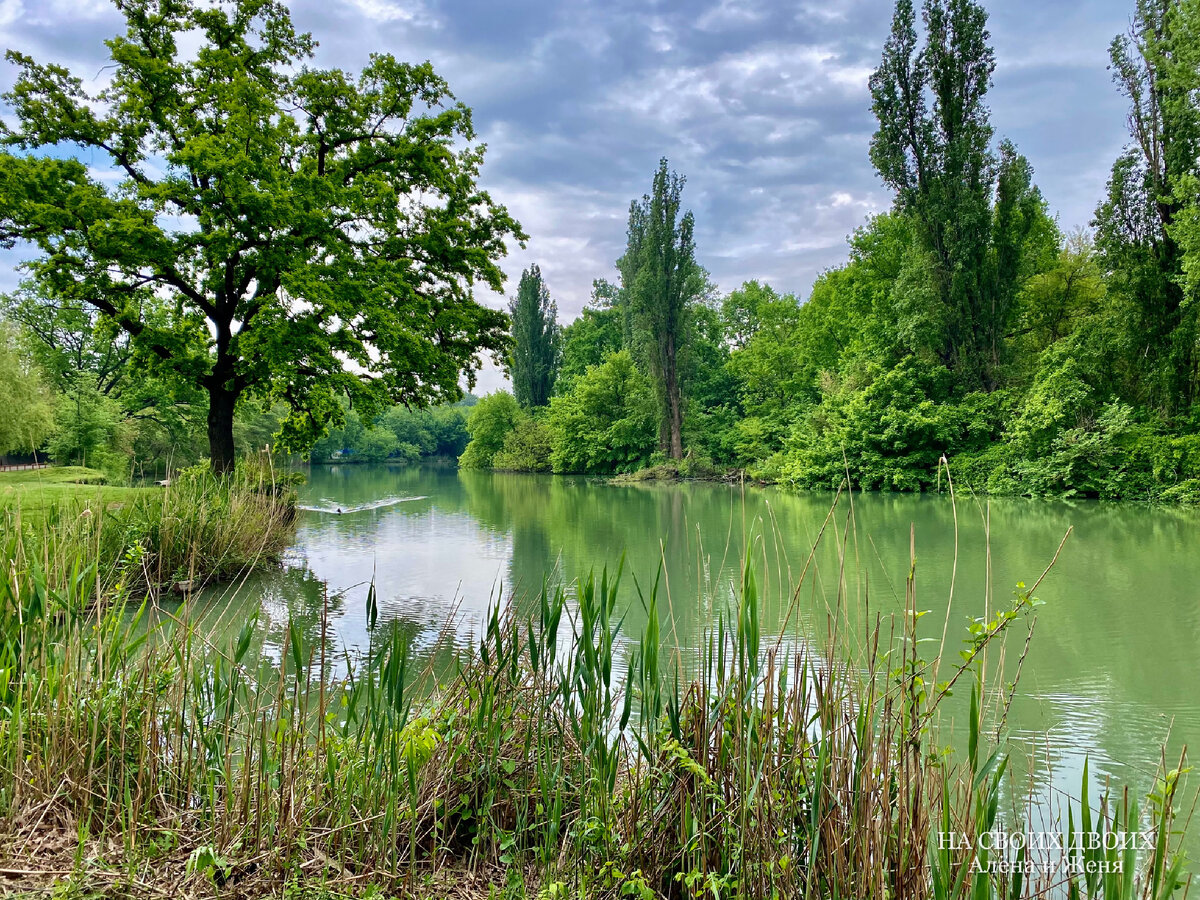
<point x="194" y="531"/>
<point x="37" y="491"/>
<point x="1183" y="494"/>
<point x="561" y="755"/>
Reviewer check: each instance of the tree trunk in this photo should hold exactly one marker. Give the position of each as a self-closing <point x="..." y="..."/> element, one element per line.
<point x="221" y="403"/>
<point x="674" y="403"/>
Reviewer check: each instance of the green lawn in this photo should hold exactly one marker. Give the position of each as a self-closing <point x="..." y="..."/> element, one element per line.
<point x="36" y="490"/>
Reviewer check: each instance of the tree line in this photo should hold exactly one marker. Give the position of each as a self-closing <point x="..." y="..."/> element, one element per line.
<point x="966" y="324"/>
<point x="282" y="253"/>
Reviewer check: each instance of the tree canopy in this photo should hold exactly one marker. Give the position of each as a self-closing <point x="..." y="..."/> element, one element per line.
<point x="28" y="405"/>
<point x="276" y="231"/>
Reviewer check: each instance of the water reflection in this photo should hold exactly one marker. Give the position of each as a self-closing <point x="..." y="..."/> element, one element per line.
<point x="1108" y="673"/>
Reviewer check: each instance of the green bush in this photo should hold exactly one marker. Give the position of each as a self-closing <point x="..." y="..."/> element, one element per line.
<point x="606" y="423"/>
<point x="489" y="423"/>
<point x="891" y="433"/>
<point x="527" y="447"/>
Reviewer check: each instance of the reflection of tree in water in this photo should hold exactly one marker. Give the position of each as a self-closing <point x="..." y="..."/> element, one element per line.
<point x="1096" y="655"/>
<point x="349" y="486"/>
<point x="294" y="596"/>
<point x="290" y="593"/>
<point x="1117" y="637"/>
<point x="565" y="528"/>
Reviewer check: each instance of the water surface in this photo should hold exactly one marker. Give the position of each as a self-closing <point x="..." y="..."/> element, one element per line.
<point x="1110" y="674"/>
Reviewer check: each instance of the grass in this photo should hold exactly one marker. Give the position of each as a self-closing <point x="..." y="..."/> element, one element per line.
<point x="38" y="491"/>
<point x="143" y="759"/>
<point x="197" y="530"/>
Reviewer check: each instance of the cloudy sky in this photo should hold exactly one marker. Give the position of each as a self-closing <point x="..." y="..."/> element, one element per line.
<point x="762" y="105"/>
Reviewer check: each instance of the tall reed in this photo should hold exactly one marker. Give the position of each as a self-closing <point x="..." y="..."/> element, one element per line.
<point x="196" y="530"/>
<point x="773" y="769"/>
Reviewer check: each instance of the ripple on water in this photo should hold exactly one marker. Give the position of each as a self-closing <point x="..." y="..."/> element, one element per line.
<point x="327" y="507"/>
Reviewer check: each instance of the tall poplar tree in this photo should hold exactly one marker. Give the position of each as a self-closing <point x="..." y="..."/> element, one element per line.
<point x="933" y="147"/>
<point x="659" y="281"/>
<point x="1146" y="226"/>
<point x="536" y="353"/>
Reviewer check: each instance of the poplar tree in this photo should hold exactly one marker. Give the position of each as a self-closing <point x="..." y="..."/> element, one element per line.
<point x="536" y="353"/>
<point x="933" y="147"/>
<point x="660" y="280"/>
<point x="1147" y="226"/>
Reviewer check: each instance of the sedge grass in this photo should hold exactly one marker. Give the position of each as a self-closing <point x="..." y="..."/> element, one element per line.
<point x="172" y="763"/>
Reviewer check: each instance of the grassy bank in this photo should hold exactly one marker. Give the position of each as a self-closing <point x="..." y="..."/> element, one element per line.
<point x="138" y="757"/>
<point x="37" y="491"/>
<point x="196" y="530"/>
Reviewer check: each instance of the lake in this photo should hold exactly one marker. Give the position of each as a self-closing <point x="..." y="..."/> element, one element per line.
<point x="1110" y="673"/>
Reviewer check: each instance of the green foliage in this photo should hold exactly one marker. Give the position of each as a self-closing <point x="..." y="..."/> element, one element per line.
<point x="660" y="280"/>
<point x="80" y="352"/>
<point x="977" y="215"/>
<point x="890" y="433"/>
<point x="742" y="311"/>
<point x="606" y="423"/>
<point x="378" y="443"/>
<point x="89" y="429"/>
<point x="962" y="324"/>
<point x="536" y="352"/>
<point x="28" y="403"/>
<point x="1146" y="223"/>
<point x="527" y="448"/>
<point x="399" y="435"/>
<point x="587" y="341"/>
<point x="273" y="221"/>
<point x="491" y="419"/>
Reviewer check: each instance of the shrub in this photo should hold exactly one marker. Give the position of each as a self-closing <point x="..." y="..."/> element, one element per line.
<point x="489" y="423"/>
<point x="606" y="423"/>
<point x="891" y="433"/>
<point x="527" y="447"/>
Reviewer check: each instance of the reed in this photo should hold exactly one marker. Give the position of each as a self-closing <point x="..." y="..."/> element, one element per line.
<point x="553" y="760"/>
<point x="197" y="530"/>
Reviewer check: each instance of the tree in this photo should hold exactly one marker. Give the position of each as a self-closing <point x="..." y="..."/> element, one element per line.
<point x="489" y="423"/>
<point x="87" y="428"/>
<point x="306" y="234"/>
<point x="1144" y="225"/>
<point x="740" y="311"/>
<point x="1058" y="300"/>
<point x="605" y="424"/>
<point x="81" y="352"/>
<point x="659" y="280"/>
<point x="28" y="404"/>
<point x="592" y="337"/>
<point x="933" y="147"/>
<point x="536" y="352"/>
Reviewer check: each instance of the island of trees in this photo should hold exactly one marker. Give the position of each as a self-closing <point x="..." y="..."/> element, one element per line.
<point x="966" y="323"/>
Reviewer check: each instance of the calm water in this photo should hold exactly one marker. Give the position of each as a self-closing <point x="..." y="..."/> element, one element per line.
<point x="1112" y="670"/>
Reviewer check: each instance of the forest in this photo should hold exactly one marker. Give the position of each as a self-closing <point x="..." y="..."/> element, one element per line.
<point x="968" y="333"/>
<point x="967" y="323"/>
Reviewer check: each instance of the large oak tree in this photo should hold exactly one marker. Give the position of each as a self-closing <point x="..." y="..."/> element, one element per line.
<point x="310" y="233"/>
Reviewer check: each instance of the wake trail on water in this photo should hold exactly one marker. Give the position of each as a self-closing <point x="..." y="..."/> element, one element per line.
<point x="329" y="508"/>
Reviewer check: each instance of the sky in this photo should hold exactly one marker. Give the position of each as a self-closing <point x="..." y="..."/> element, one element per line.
<point x="763" y="106"/>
